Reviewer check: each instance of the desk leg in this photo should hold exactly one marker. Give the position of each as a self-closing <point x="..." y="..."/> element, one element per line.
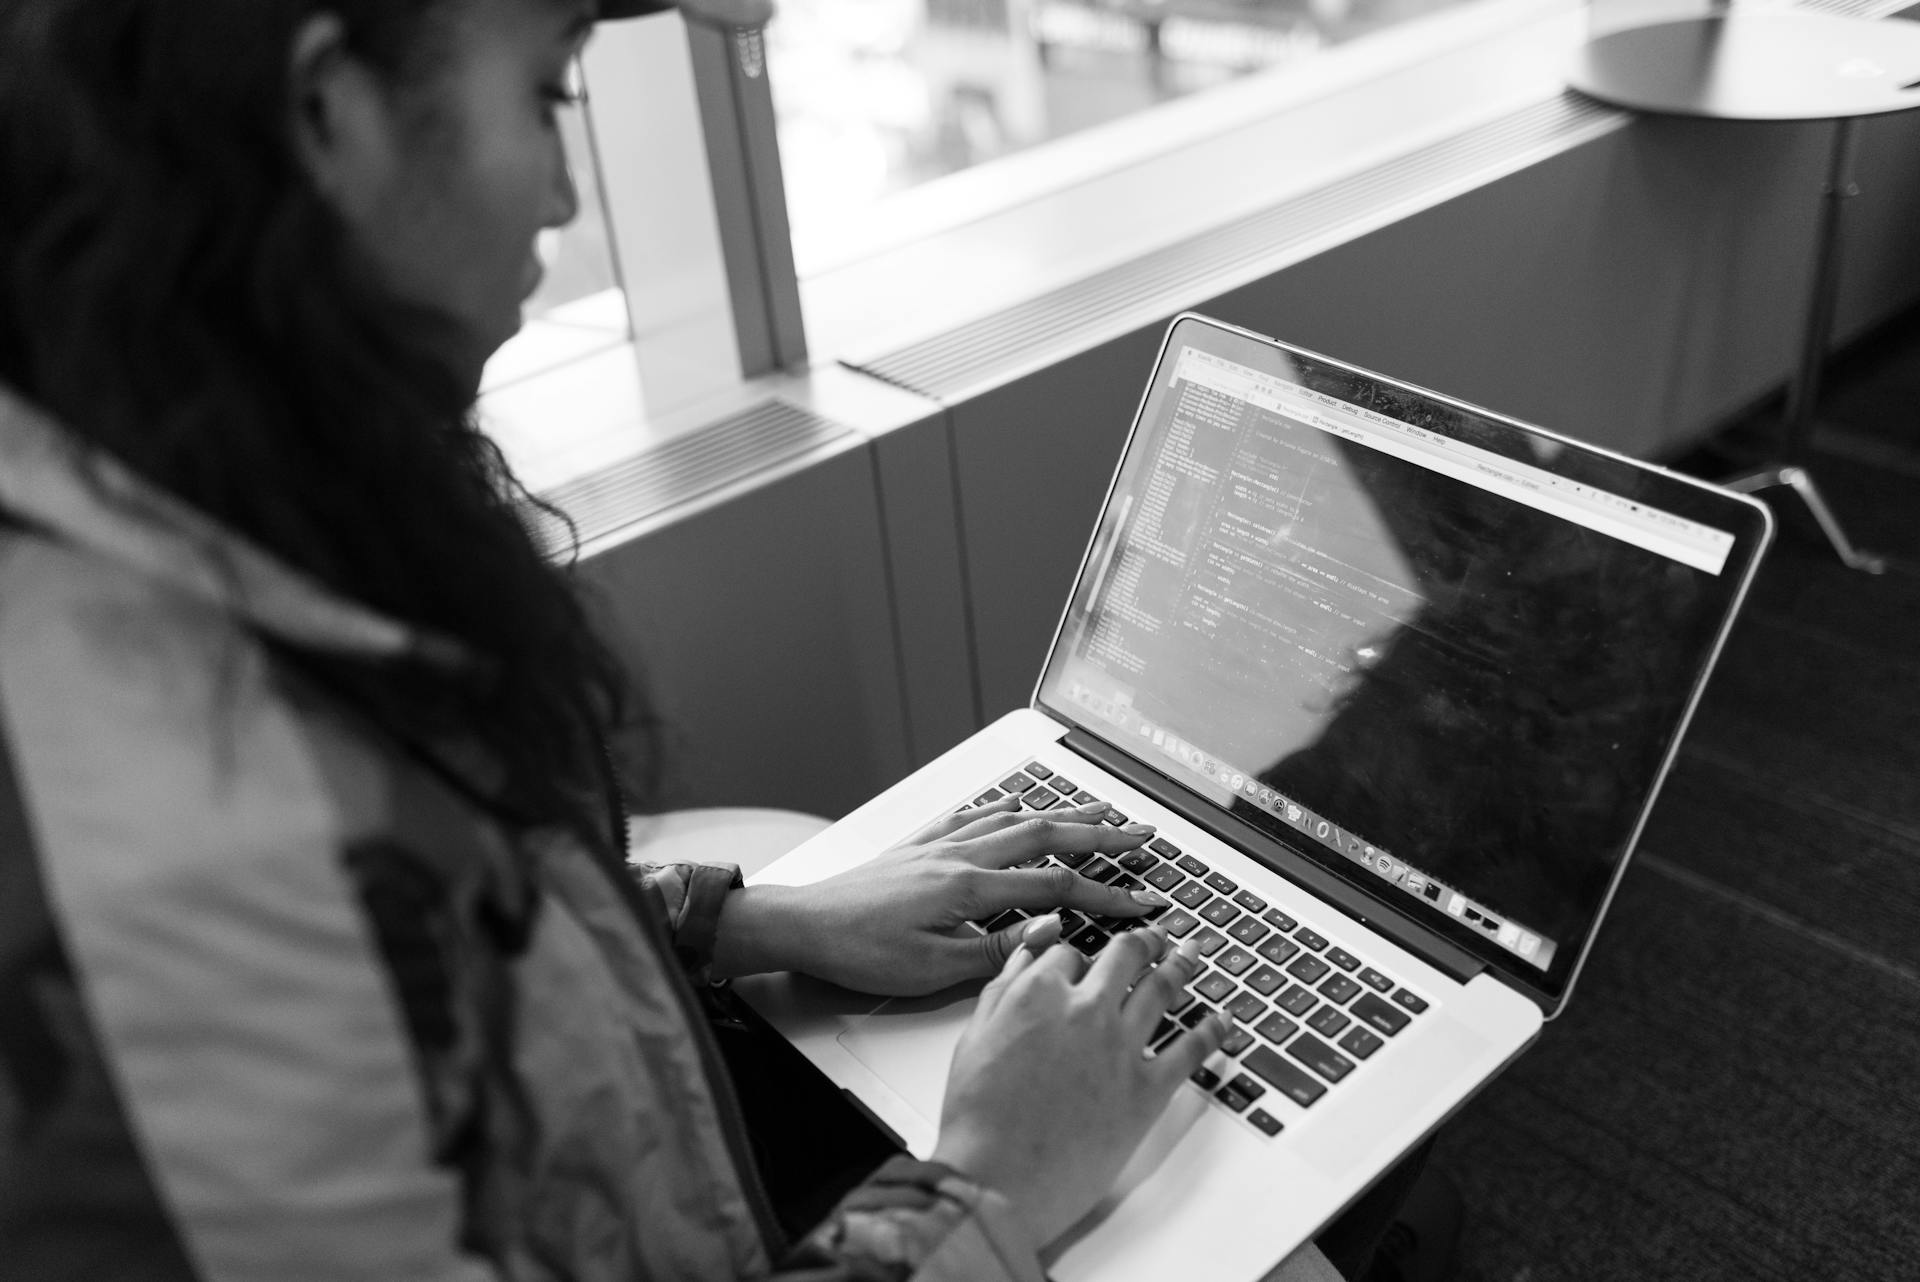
<point x="1797" y="480"/>
<point x="1804" y="392"/>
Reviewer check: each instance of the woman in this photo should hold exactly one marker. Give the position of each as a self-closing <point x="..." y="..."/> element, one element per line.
<point x="317" y="955"/>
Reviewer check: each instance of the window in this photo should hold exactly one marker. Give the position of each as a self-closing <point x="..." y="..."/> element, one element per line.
<point x="941" y="159"/>
<point x="877" y="97"/>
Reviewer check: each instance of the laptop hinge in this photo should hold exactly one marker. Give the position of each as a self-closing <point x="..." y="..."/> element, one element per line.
<point x="1443" y="955"/>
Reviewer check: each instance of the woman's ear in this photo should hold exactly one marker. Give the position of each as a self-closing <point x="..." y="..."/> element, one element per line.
<point x="342" y="123"/>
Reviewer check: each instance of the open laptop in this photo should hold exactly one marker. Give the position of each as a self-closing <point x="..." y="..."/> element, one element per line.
<point x="1397" y="679"/>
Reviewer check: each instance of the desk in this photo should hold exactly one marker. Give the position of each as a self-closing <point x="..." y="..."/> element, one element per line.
<point x="1744" y="64"/>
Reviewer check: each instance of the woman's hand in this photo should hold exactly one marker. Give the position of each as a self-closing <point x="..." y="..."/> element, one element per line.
<point x="1050" y="1090"/>
<point x="897" y="924"/>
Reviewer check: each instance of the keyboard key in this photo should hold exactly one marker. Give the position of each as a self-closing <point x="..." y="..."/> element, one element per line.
<point x="1266" y="981"/>
<point x="1205" y="1078"/>
<point x="1220" y="912"/>
<point x="1074" y="858"/>
<point x="1209" y="941"/>
<point x="1378" y="1015"/>
<point x="1247" y="1008"/>
<point x="1164" y="1028"/>
<point x="988" y="797"/>
<point x="1139" y="861"/>
<point x="1249" y="931"/>
<point x="1298" y="1000"/>
<point x="1011" y="917"/>
<point x="1016" y="783"/>
<point x="1338" y="989"/>
<point x="1247" y="1086"/>
<point x="1278" y="920"/>
<point x="1238" y="1040"/>
<point x="1376" y="981"/>
<point x="1164" y="877"/>
<point x="1090" y="940"/>
<point x="1222" y="883"/>
<point x="1267" y="1122"/>
<point x="1342" y="958"/>
<point x="1214" y="986"/>
<point x="1166" y="849"/>
<point x="1070" y="921"/>
<point x="1276" y="1027"/>
<point x="1360" y="1043"/>
<point x="1282" y="1076"/>
<point x="1192" y="895"/>
<point x="1099" y="870"/>
<point x="1236" y="961"/>
<point x="1084" y="798"/>
<point x="1195" y="1013"/>
<point x="1114" y="817"/>
<point x="1250" y="901"/>
<point x="1307" y="968"/>
<point x="1319" y="1057"/>
<point x="1039" y="771"/>
<point x="1310" y="939"/>
<point x="1278" y="950"/>
<point x="1179" y="922"/>
<point x="1193" y="866"/>
<point x="1060" y="783"/>
<point x="1181" y="1000"/>
<point x="1408" y="1000"/>
<point x="1040" y="799"/>
<point x="1231" y="1098"/>
<point x="1328" y="1022"/>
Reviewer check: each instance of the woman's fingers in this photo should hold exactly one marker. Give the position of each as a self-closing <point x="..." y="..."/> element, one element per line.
<point x="1190" y="1050"/>
<point x="948" y="826"/>
<point x="1121" y="962"/>
<point x="1154" y="994"/>
<point x="1035" y="935"/>
<point x="1038" y="935"/>
<point x="1055" y="886"/>
<point x="1076" y="831"/>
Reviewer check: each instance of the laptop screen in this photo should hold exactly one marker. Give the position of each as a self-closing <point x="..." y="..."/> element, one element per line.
<point x="1442" y="654"/>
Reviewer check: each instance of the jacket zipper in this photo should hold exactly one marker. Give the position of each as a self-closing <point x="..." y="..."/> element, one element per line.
<point x="727" y="1104"/>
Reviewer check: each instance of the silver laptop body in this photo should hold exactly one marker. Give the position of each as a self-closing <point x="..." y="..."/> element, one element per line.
<point x="1397" y="680"/>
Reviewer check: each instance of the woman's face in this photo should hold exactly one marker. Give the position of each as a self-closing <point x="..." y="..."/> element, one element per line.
<point x="447" y="182"/>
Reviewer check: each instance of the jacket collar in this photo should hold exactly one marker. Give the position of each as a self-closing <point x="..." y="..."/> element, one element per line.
<point x="90" y="501"/>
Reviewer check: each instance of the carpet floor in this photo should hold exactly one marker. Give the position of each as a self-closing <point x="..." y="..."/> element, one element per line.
<point x="1730" y="1093"/>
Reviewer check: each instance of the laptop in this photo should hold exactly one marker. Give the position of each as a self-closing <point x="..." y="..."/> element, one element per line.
<point x="1397" y="680"/>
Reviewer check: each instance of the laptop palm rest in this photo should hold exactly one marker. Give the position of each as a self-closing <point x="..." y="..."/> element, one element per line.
<point x="908" y="1042"/>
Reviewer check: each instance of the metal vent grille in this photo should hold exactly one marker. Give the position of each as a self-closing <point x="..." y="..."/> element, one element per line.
<point x="687" y="467"/>
<point x="1856" y="8"/>
<point x="1177" y="276"/>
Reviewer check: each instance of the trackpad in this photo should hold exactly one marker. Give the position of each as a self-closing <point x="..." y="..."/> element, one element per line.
<point x="908" y="1044"/>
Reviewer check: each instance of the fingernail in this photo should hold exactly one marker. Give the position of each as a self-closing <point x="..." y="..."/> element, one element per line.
<point x="1039" y="927"/>
<point x="1151" y="899"/>
<point x="1138" y="830"/>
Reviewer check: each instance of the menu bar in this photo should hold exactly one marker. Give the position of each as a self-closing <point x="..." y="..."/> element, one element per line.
<point x="1630" y="521"/>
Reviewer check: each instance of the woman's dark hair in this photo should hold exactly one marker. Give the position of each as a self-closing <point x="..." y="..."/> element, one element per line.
<point x="174" y="291"/>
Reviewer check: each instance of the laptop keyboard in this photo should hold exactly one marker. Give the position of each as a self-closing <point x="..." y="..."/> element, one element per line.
<point x="1306" y="1012"/>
